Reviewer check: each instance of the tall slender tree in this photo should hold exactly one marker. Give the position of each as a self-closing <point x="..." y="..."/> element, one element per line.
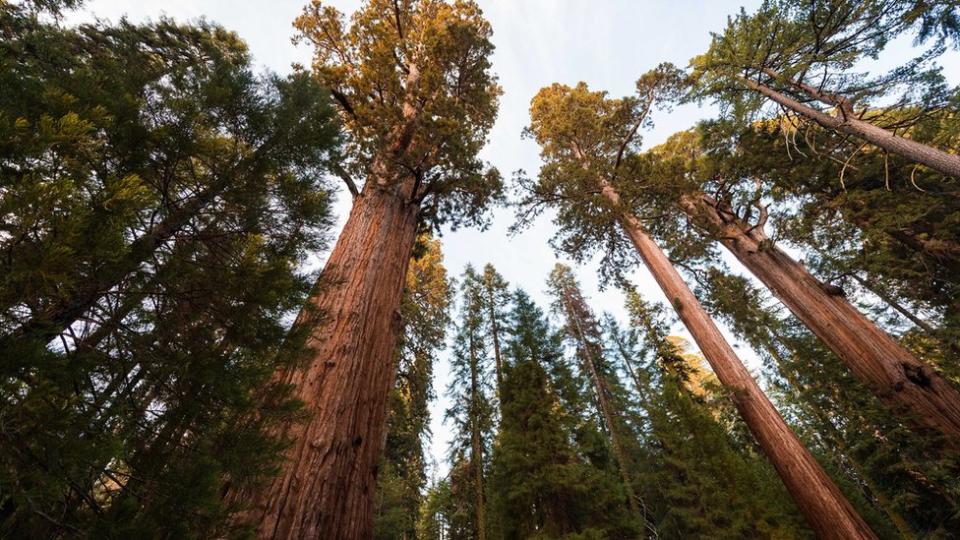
<point x="888" y="368"/>
<point x="417" y="99"/>
<point x="875" y="357"/>
<point x="471" y="392"/>
<point x="583" y="330"/>
<point x="496" y="297"/>
<point x="583" y="153"/>
<point x="865" y="442"/>
<point x="858" y="226"/>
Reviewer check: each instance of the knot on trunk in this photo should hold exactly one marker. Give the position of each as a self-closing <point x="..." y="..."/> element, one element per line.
<point x="397" y="320"/>
<point x="918" y="374"/>
<point x="833" y="290"/>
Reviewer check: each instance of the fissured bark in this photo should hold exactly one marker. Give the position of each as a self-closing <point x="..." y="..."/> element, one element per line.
<point x="328" y="480"/>
<point x="874" y="357"/>
<point x="825" y="508"/>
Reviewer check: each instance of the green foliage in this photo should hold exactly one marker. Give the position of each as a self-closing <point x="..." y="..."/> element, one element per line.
<point x="540" y="483"/>
<point x="157" y="199"/>
<point x="417" y="98"/>
<point x="876" y="224"/>
<point x="788" y="43"/>
<point x="473" y="404"/>
<point x="588" y="141"/>
<point x="698" y="480"/>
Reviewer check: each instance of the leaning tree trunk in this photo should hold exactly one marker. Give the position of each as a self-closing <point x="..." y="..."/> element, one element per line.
<point x="835" y="443"/>
<point x="606" y="409"/>
<point x="849" y="124"/>
<point x="874" y="357"/>
<point x="328" y="480"/>
<point x="827" y="511"/>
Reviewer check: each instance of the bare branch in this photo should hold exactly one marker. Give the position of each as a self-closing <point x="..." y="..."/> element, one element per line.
<point x="351" y="186"/>
<point x="633" y="131"/>
<point x="343" y="101"/>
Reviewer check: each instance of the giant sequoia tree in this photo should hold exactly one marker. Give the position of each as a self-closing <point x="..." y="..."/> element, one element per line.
<point x="863" y="439"/>
<point x="416" y="96"/>
<point x="727" y="216"/>
<point x="583" y="153"/>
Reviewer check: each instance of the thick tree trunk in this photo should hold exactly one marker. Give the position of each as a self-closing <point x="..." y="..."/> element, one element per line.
<point x="327" y="484"/>
<point x="829" y="514"/>
<point x="835" y="442"/>
<point x="874" y="357"/>
<point x="847" y="123"/>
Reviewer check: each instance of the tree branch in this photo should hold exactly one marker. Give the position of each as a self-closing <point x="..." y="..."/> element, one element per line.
<point x="354" y="192"/>
<point x="343" y="101"/>
<point x="633" y="131"/>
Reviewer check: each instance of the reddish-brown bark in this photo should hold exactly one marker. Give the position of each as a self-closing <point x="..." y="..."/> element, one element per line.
<point x="846" y="122"/>
<point x="827" y="511"/>
<point x="326" y="486"/>
<point x="874" y="357"/>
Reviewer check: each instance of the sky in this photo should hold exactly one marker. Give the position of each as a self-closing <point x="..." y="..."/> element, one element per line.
<point x="606" y="43"/>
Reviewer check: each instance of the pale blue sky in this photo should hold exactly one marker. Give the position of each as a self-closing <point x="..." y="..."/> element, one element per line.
<point x="607" y="43"/>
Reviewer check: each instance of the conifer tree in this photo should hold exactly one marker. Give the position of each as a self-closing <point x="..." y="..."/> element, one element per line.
<point x="127" y="424"/>
<point x="540" y="483"/>
<point x="699" y="481"/>
<point x="891" y="371"/>
<point x="416" y="96"/>
<point x="583" y="330"/>
<point x="800" y="56"/>
<point x="583" y="153"/>
<point x="496" y="297"/>
<point x="859" y="228"/>
<point x="144" y="157"/>
<point x="472" y="410"/>
<point x="864" y="441"/>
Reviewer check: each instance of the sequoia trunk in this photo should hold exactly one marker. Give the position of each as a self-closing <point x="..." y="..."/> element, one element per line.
<point x="328" y="480"/>
<point x="849" y="124"/>
<point x="874" y="357"/>
<point x="829" y="514"/>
